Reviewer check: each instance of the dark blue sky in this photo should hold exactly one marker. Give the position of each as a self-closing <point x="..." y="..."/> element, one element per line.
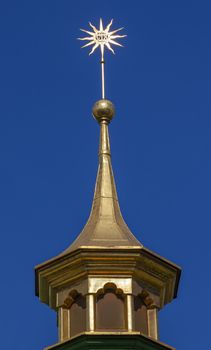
<point x="161" y="86"/>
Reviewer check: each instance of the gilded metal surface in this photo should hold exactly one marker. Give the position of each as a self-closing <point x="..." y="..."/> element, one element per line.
<point x="81" y="287"/>
<point x="152" y="323"/>
<point x="90" y="313"/>
<point x="102" y="38"/>
<point x="103" y="111"/>
<point x="156" y="275"/>
<point x="63" y="324"/>
<point x="106" y="226"/>
<point x="129" y="313"/>
<point x="96" y="283"/>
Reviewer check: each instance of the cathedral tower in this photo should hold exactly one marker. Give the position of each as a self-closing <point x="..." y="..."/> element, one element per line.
<point x="106" y="287"/>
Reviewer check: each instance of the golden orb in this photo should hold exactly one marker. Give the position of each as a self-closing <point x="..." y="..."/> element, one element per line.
<point x="103" y="110"/>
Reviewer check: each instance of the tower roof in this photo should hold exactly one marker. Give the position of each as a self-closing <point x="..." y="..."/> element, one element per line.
<point x="106" y="282"/>
<point x="105" y="227"/>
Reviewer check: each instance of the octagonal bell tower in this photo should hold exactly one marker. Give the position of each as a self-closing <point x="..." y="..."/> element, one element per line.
<point x="106" y="287"/>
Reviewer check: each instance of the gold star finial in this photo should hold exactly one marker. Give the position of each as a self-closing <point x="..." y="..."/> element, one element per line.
<point x="103" y="38"/>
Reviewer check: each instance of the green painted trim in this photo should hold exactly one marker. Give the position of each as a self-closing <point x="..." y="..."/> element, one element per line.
<point x="110" y="342"/>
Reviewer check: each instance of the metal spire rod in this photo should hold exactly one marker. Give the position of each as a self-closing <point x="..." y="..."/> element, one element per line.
<point x="103" y="77"/>
<point x="102" y="38"/>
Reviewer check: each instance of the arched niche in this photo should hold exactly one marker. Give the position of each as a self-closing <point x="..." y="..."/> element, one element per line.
<point x="76" y="304"/>
<point x="140" y="315"/>
<point x="110" y="309"/>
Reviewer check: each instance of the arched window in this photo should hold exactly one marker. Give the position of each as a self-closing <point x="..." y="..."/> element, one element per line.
<point x="78" y="315"/>
<point x="110" y="309"/>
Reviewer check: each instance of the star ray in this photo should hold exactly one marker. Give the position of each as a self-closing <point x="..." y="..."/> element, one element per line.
<point x="86" y="31"/>
<point x="94" y="48"/>
<point x="101" y="25"/>
<point x="102" y="47"/>
<point x="115" y="31"/>
<point x="115" y="43"/>
<point x="117" y="36"/>
<point x="110" y="48"/>
<point x="108" y="26"/>
<point x="93" y="27"/>
<point x="86" y="38"/>
<point x="90" y="43"/>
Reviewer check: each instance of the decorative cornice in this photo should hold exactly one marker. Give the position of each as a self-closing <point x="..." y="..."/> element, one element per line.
<point x="72" y="268"/>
